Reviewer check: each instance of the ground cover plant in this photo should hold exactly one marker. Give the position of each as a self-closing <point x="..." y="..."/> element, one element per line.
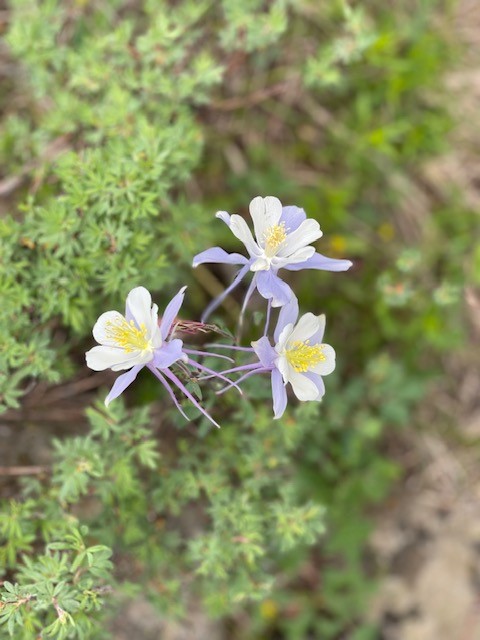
<point x="125" y="128"/>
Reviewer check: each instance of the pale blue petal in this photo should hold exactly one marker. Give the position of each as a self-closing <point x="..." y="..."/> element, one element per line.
<point x="122" y="382"/>
<point x="217" y="255"/>
<point x="279" y="394"/>
<point x="288" y="315"/>
<point x="178" y="383"/>
<point x="219" y="299"/>
<point x="293" y="217"/>
<point x="265" y="352"/>
<point x="251" y="288"/>
<point x="169" y="353"/>
<point x="171" y="312"/>
<point x="269" y="286"/>
<point x="319" y="261"/>
<point x="158" y="375"/>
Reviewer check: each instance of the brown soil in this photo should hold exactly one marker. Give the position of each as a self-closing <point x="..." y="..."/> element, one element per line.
<point x="427" y="540"/>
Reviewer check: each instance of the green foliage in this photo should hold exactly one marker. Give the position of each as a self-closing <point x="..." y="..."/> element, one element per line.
<point x="119" y="108"/>
<point x="127" y="492"/>
<point x="130" y="116"/>
<point x="59" y="591"/>
<point x="136" y="491"/>
<point x="254" y="24"/>
<point x="325" y="68"/>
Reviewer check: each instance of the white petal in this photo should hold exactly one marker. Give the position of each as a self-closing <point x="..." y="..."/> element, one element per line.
<point x="307" y="232"/>
<point x="260" y="264"/>
<point x="299" y="256"/>
<point x="257" y="213"/>
<point x="328" y="365"/>
<point x="306" y="327"/>
<point x="101" y="358"/>
<point x="224" y="216"/>
<point x="139" y="304"/>
<point x="273" y="210"/>
<point x="282" y="365"/>
<point x="266" y="213"/>
<point x="302" y="387"/>
<point x="157" y="340"/>
<point x="100" y="332"/>
<point x="240" y="229"/>
<point x="318" y="335"/>
<point x="136" y="357"/>
<point x="283" y="337"/>
<point x="153" y="330"/>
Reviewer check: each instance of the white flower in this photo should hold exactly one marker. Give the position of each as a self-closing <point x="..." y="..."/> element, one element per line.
<point x="302" y="358"/>
<point x="283" y="237"/>
<point x="126" y="341"/>
<point x="276" y="245"/>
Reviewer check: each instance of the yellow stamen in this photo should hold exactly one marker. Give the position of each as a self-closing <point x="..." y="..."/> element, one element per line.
<point x="127" y="336"/>
<point x="303" y="357"/>
<point x="273" y="237"/>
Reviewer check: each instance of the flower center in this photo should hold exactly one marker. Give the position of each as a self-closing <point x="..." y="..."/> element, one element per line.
<point x="127" y="336"/>
<point x="303" y="357"/>
<point x="273" y="238"/>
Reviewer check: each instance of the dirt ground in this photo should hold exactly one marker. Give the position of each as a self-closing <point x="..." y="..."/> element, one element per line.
<point x="427" y="541"/>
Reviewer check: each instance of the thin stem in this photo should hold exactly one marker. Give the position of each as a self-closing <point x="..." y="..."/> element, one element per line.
<point x="267" y="321"/>
<point x="171" y="376"/>
<point x="241" y="379"/>
<point x="208" y="353"/>
<point x="157" y="373"/>
<point x="243" y="367"/>
<point x="229" y="346"/>
<point x="214" y="374"/>
<point x="248" y="295"/>
<point x="216" y="302"/>
<point x="24" y="471"/>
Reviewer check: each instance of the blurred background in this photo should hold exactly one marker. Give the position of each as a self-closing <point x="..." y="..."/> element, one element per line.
<point x="125" y="125"/>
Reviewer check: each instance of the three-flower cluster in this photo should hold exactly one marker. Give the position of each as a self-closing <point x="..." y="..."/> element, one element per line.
<point x="297" y="356"/>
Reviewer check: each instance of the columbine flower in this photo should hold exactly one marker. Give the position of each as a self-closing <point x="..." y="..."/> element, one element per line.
<point x="299" y="358"/>
<point x="127" y="342"/>
<point x="283" y="236"/>
<point x="136" y="340"/>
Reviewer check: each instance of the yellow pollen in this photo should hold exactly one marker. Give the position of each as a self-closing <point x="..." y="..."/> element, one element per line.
<point x="127" y="336"/>
<point x="273" y="237"/>
<point x="303" y="357"/>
